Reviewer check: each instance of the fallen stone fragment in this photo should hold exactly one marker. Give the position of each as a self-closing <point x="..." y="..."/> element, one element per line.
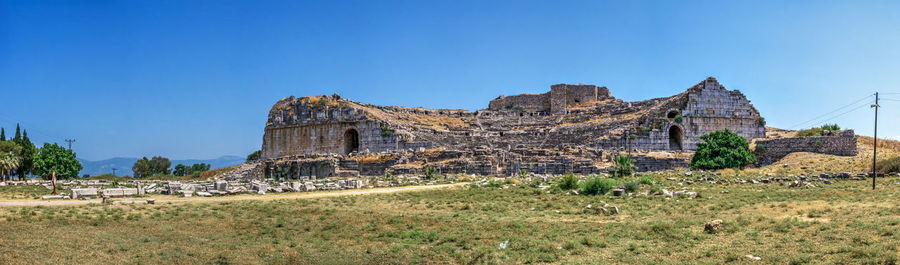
<point x="713" y="226"/>
<point x="504" y="244"/>
<point x="53" y="197"/>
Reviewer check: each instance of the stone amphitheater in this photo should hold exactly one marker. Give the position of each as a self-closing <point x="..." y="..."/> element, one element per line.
<point x="573" y="128"/>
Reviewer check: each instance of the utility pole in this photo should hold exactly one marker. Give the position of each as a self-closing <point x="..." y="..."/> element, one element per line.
<point x="875" y="149"/>
<point x="70" y="141"/>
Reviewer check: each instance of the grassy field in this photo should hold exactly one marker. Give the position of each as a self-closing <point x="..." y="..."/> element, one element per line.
<point x="841" y="223"/>
<point x="25" y="192"/>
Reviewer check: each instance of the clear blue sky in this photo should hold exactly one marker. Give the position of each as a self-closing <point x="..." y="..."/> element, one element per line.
<point x="195" y="79"/>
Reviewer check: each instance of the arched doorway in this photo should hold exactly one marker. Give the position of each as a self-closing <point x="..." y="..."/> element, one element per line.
<point x="672" y="114"/>
<point x="676" y="134"/>
<point x="351" y="141"/>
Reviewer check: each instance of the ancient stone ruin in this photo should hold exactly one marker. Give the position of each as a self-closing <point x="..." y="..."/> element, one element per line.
<point x="570" y="129"/>
<point x="842" y="143"/>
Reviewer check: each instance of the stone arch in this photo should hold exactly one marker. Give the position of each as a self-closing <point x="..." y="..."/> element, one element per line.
<point x="351" y="141"/>
<point x="672" y="113"/>
<point x="676" y="138"/>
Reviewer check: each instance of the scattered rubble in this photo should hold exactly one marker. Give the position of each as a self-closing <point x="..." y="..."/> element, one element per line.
<point x="91" y="189"/>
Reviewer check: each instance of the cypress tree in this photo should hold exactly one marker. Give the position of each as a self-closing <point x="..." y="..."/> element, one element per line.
<point x="18" y="133"/>
<point x="2" y="134"/>
<point x="28" y="153"/>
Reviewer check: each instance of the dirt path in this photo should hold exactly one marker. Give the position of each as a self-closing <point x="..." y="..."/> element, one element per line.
<point x="267" y="197"/>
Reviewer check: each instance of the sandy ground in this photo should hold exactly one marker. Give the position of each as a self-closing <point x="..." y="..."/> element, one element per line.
<point x="267" y="197"/>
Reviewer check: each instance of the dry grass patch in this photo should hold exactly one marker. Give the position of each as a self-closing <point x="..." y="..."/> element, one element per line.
<point x="839" y="223"/>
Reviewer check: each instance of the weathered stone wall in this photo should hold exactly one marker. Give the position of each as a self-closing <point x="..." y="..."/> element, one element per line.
<point x="560" y="97"/>
<point x="315" y="168"/>
<point x="711" y="107"/>
<point x="678" y="123"/>
<point x="327" y="138"/>
<point x="647" y="163"/>
<point x="588" y="117"/>
<point x="525" y="102"/>
<point x="841" y="143"/>
<point x="322" y="125"/>
<point x="564" y="95"/>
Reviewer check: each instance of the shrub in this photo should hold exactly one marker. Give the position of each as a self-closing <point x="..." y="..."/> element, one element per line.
<point x="492" y="184"/>
<point x="831" y="127"/>
<point x="624" y="167"/>
<point x="429" y="171"/>
<point x="760" y="148"/>
<point x="722" y="149"/>
<point x="254" y="156"/>
<point x="536" y="182"/>
<point x="646" y="181"/>
<point x="597" y="186"/>
<point x="811" y="132"/>
<point x="679" y="118"/>
<point x="890" y="165"/>
<point x="818" y="131"/>
<point x="631" y="186"/>
<point x="567" y="182"/>
<point x="761" y="121"/>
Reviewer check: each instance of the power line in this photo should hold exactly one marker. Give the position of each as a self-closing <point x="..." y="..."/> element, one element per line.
<point x="33" y="131"/>
<point x="844" y="113"/>
<point x="831" y="112"/>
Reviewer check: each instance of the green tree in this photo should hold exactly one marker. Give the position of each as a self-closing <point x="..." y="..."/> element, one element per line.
<point x="2" y="134"/>
<point x="254" y="156"/>
<point x="722" y="149"/>
<point x="18" y="133"/>
<point x="10" y="158"/>
<point x="53" y="160"/>
<point x="624" y="167"/>
<point x="196" y="169"/>
<point x="151" y="167"/>
<point x="160" y="165"/>
<point x="141" y="168"/>
<point x="180" y="170"/>
<point x="8" y="162"/>
<point x="28" y="153"/>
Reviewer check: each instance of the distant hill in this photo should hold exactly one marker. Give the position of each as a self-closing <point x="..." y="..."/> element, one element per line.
<point x="123" y="164"/>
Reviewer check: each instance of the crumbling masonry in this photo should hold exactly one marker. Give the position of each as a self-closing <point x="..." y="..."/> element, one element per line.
<point x="570" y="129"/>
